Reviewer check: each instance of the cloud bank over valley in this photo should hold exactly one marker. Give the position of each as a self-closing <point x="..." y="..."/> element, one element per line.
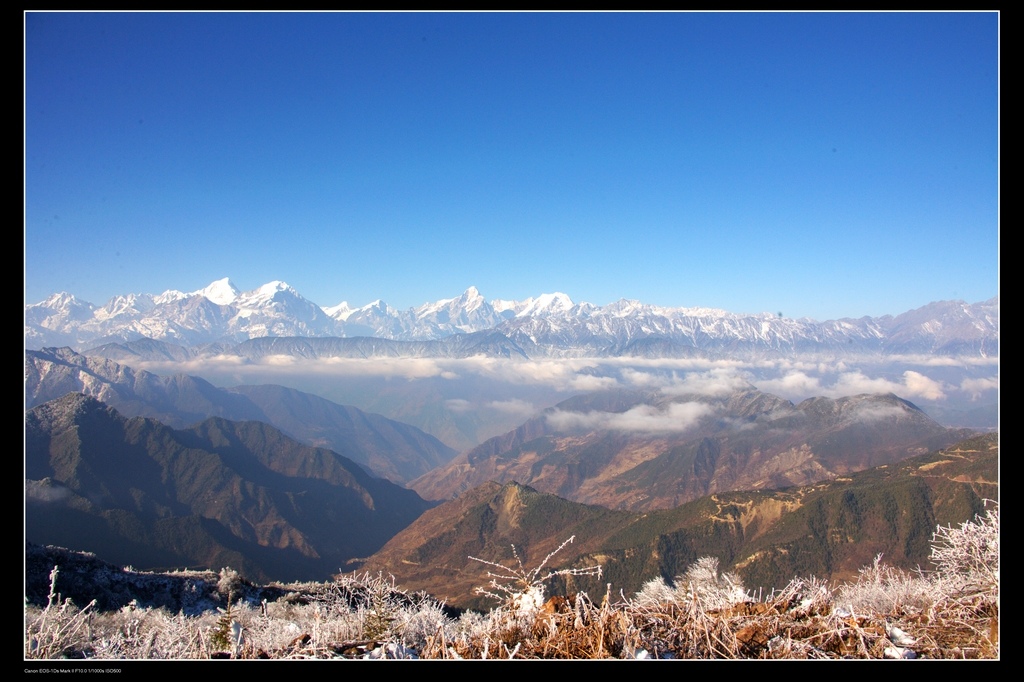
<point x="498" y="394"/>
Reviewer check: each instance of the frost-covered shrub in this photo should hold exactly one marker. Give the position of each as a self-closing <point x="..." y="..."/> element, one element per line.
<point x="885" y="589"/>
<point x="424" y="621"/>
<point x="967" y="558"/>
<point x="654" y="592"/>
<point x="703" y="583"/>
<point x="56" y="630"/>
<point x="700" y="584"/>
<point x="229" y="583"/>
<point x="521" y="590"/>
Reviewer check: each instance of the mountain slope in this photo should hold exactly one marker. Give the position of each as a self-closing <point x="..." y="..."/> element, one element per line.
<point x="218" y="493"/>
<point x="433" y="553"/>
<point x="391" y="449"/>
<point x="829" y="530"/>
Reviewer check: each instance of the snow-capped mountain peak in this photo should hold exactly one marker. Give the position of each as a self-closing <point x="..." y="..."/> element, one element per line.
<point x="271" y="289"/>
<point x="469" y="302"/>
<point x="267" y="295"/>
<point x="465" y="312"/>
<point x="221" y="292"/>
<point x="546" y="304"/>
<point x="377" y="306"/>
<point x="625" y="307"/>
<point x="61" y="301"/>
<point x="471" y="299"/>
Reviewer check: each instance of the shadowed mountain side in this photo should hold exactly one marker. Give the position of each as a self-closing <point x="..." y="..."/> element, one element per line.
<point x="829" y="530"/>
<point x="396" y="451"/>
<point x="627" y="450"/>
<point x="218" y="493"/>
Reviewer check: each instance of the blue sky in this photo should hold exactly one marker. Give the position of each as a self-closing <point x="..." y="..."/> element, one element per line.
<point x="816" y="164"/>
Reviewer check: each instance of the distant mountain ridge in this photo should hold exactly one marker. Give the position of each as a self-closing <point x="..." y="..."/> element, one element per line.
<point x="549" y="325"/>
<point x="644" y="451"/>
<point x="387" y="448"/>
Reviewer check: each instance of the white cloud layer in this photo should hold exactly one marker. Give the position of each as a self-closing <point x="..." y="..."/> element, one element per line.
<point x="716" y="382"/>
<point x="975" y="387"/>
<point x="458" y="405"/>
<point x="791" y="379"/>
<point x="914" y="385"/>
<point x="792" y="383"/>
<point x="919" y="385"/>
<point x="513" y="407"/>
<point x="875" y="413"/>
<point x="642" y="418"/>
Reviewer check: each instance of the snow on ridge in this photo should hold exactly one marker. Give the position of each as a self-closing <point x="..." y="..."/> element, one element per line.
<point x="699" y="311"/>
<point x="340" y="311"/>
<point x="430" y="307"/>
<point x="170" y="296"/>
<point x="500" y="305"/>
<point x="376" y="305"/>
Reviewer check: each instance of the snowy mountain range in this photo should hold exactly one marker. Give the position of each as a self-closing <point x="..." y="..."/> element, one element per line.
<point x="549" y="325"/>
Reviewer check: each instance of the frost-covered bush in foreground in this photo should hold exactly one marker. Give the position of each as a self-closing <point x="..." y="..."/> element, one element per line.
<point x="880" y="588"/>
<point x="966" y="561"/>
<point x="701" y="583"/>
<point x="967" y="558"/>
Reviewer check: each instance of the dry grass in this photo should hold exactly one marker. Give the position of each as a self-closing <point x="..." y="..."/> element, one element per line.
<point x="951" y="612"/>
